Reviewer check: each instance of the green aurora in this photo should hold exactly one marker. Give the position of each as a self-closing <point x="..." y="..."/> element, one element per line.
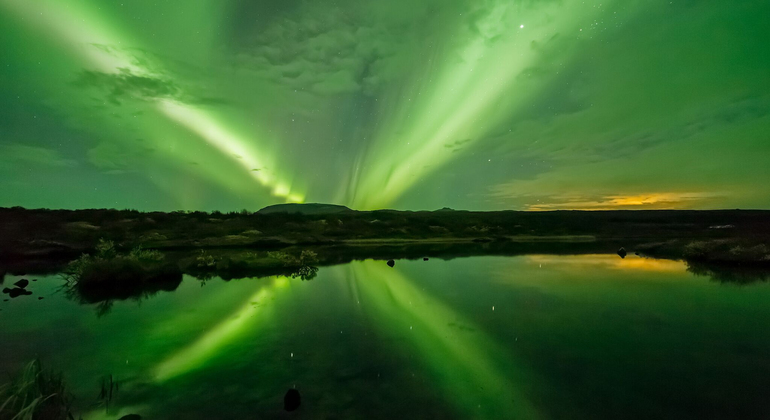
<point x="474" y="104"/>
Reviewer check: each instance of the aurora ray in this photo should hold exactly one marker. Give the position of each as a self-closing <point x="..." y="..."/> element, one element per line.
<point x="480" y="105"/>
<point x="80" y="31"/>
<point x="458" y="96"/>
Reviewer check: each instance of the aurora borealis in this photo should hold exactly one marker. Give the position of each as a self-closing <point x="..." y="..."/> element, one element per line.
<point x="483" y="105"/>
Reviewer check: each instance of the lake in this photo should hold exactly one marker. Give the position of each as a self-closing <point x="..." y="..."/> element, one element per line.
<point x="531" y="337"/>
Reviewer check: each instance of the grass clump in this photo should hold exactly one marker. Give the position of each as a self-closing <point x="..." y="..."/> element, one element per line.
<point x="108" y="274"/>
<point x="36" y="394"/>
<point x="306" y="257"/>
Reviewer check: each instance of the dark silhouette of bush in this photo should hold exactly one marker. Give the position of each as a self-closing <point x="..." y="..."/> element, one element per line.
<point x="108" y="275"/>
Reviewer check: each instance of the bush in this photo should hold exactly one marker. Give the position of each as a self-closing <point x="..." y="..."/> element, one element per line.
<point x="146" y="255"/>
<point x="109" y="275"/>
<point x="205" y="260"/>
<point x="105" y="249"/>
<point x="306" y="257"/>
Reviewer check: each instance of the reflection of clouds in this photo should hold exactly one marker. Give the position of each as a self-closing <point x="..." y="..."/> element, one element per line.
<point x="605" y="261"/>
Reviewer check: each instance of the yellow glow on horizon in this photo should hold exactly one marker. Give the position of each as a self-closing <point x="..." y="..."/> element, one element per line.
<point x="655" y="200"/>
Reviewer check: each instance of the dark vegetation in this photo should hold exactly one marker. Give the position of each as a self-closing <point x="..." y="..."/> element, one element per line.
<point x="106" y="275"/>
<point x="67" y="234"/>
<point x="232" y="264"/>
<point x="35" y="394"/>
<point x="126" y="254"/>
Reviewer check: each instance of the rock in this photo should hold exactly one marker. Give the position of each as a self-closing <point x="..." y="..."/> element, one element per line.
<point x="622" y="252"/>
<point x="40" y="298"/>
<point x="22" y="283"/>
<point x="425" y="258"/>
<point x="131" y="417"/>
<point x="391" y="263"/>
<point x="291" y="400"/>
<point x="18" y="291"/>
<point x="6" y="290"/>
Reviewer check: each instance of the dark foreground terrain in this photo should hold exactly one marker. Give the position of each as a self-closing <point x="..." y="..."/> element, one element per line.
<point x="98" y="246"/>
<point x="37" y="233"/>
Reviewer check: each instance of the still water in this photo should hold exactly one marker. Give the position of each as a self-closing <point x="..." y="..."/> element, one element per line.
<point x="531" y="337"/>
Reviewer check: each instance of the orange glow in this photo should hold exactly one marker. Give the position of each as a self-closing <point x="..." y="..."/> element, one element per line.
<point x="613" y="262"/>
<point x="658" y="201"/>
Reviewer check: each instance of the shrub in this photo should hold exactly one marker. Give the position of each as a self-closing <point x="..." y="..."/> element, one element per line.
<point x="205" y="260"/>
<point x="146" y="255"/>
<point x="105" y="249"/>
<point x="306" y="257"/>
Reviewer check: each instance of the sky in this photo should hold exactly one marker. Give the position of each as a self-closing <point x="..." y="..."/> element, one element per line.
<point x="404" y="104"/>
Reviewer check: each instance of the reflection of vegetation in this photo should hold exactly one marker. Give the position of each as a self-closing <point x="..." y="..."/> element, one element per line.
<point x="36" y="394"/>
<point x="107" y="390"/>
<point x="107" y="275"/>
<point x="241" y="264"/>
<point x="736" y="261"/>
<point x="731" y="251"/>
<point x="303" y="269"/>
<point x="305" y="273"/>
<point x="727" y="250"/>
<point x="729" y="274"/>
<point x="288" y="260"/>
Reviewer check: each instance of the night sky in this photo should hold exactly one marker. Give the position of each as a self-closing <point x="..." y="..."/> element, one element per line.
<point x="406" y="104"/>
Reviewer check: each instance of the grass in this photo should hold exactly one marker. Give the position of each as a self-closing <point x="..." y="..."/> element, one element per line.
<point x="108" y="274"/>
<point x="36" y="394"/>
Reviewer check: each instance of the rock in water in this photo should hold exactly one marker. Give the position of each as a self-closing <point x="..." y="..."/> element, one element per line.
<point x="622" y="252"/>
<point x="391" y="263"/>
<point x="22" y="283"/>
<point x="6" y="290"/>
<point x="425" y="259"/>
<point x="291" y="400"/>
<point x="131" y="417"/>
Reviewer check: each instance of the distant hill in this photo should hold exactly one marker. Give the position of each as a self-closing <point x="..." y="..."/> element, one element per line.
<point x="309" y="208"/>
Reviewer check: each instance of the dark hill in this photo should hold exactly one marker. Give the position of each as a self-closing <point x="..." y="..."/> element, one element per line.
<point x="309" y="208"/>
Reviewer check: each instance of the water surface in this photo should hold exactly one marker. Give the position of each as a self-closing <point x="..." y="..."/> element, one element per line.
<point x="543" y="337"/>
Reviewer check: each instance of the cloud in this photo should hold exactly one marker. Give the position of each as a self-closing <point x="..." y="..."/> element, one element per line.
<point x="457" y="145"/>
<point x="126" y="85"/>
<point x="335" y="49"/>
<point x="116" y="157"/>
<point x="16" y="155"/>
<point x="733" y="113"/>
